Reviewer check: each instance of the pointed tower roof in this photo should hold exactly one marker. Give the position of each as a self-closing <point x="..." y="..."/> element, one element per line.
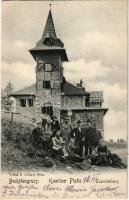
<point x="49" y="40"/>
<point x="49" y="33"/>
<point x="49" y="27"/>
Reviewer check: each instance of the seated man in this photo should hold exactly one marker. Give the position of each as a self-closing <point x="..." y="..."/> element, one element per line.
<point x="102" y="151"/>
<point x="115" y="160"/>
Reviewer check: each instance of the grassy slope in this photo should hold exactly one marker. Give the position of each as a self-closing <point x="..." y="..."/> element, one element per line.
<point x="16" y="159"/>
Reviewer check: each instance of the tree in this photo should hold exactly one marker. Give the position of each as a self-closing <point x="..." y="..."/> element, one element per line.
<point x="8" y="89"/>
<point x="5" y="100"/>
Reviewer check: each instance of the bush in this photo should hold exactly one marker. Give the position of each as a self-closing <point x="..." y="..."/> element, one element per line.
<point x="30" y="151"/>
<point x="20" y="134"/>
<point x="21" y="138"/>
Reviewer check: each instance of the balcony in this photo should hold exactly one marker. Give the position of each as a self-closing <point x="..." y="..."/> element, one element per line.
<point x="95" y="99"/>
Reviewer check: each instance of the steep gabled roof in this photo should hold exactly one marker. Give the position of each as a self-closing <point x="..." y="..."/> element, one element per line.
<point x="49" y="27"/>
<point x="72" y="90"/>
<point x="30" y="90"/>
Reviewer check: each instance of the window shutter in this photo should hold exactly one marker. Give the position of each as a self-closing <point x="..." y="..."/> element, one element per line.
<point x="52" y="84"/>
<point x="39" y="84"/>
<point x="48" y="67"/>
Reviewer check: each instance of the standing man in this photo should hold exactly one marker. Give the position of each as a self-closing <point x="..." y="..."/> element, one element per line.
<point x="37" y="135"/>
<point x="55" y="126"/>
<point x="66" y="131"/>
<point x="87" y="133"/>
<point x="92" y="138"/>
<point x="78" y="132"/>
<point x="44" y="123"/>
<point x="96" y="136"/>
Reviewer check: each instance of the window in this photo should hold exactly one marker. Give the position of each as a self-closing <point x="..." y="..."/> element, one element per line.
<point x="23" y="102"/>
<point x="30" y="102"/>
<point x="48" y="67"/>
<point x="48" y="42"/>
<point x="40" y="67"/>
<point x="87" y="100"/>
<point x="46" y="84"/>
<point x="47" y="110"/>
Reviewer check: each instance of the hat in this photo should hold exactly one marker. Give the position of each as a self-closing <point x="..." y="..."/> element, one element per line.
<point x="53" y="117"/>
<point x="38" y="122"/>
<point x="79" y="122"/>
<point x="66" y="118"/>
<point x="88" y="120"/>
<point x="94" y="125"/>
<point x="63" y="142"/>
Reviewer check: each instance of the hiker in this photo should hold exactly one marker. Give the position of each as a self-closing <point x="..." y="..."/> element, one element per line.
<point x="55" y="126"/>
<point x="49" y="121"/>
<point x="78" y="133"/>
<point x="94" y="136"/>
<point x="44" y="123"/>
<point x="87" y="137"/>
<point x="58" y="144"/>
<point x="66" y="131"/>
<point x="71" y="145"/>
<point x="74" y="124"/>
<point x="37" y="135"/>
<point x="102" y="151"/>
<point x="99" y="155"/>
<point x="115" y="161"/>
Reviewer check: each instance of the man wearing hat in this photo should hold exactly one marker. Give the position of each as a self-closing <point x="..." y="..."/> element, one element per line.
<point x="92" y="137"/>
<point x="78" y="133"/>
<point x="37" y="135"/>
<point x="55" y="126"/>
<point x="44" y="123"/>
<point x="87" y="132"/>
<point x="66" y="131"/>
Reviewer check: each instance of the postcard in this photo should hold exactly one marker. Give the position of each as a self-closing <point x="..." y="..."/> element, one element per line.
<point x="64" y="100"/>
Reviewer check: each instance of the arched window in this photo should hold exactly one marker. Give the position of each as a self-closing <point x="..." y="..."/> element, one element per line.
<point x="48" y="110"/>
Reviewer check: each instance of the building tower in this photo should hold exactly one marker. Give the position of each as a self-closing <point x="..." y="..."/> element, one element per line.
<point x="49" y="54"/>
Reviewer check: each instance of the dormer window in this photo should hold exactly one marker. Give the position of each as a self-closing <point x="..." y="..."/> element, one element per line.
<point x="48" y="67"/>
<point x="48" y="42"/>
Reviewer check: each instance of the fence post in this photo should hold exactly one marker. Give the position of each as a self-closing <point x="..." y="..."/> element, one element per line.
<point x="11" y="128"/>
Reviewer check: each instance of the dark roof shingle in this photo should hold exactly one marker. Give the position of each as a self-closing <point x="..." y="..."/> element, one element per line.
<point x="68" y="89"/>
<point x="71" y="90"/>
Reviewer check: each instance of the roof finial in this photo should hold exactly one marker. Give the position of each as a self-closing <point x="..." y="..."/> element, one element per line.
<point x="50" y="5"/>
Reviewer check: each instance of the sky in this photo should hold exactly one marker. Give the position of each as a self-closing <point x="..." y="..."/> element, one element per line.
<point x="95" y="38"/>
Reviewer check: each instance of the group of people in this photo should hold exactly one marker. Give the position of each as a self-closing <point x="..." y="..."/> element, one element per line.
<point x="66" y="137"/>
<point x="74" y="141"/>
